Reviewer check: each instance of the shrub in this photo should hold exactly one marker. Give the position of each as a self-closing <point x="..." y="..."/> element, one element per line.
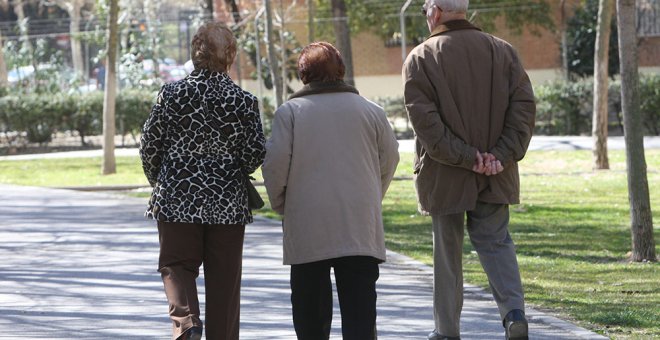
<point x="40" y="115"/>
<point x="649" y="94"/>
<point x="88" y="118"/>
<point x="132" y="110"/>
<point x="37" y="115"/>
<point x="396" y="112"/>
<point x="565" y="108"/>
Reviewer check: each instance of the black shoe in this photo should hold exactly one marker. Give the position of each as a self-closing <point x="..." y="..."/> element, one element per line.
<point x="437" y="336"/>
<point x="515" y="325"/>
<point x="194" y="333"/>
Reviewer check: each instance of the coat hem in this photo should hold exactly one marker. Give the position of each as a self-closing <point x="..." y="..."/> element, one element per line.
<point x="380" y="256"/>
<point x="176" y="220"/>
<point x="451" y="211"/>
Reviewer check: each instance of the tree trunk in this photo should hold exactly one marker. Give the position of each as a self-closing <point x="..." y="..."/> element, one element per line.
<point x="151" y="8"/>
<point x="23" y="27"/>
<point x="643" y="244"/>
<point x="283" y="52"/>
<point x="272" y="55"/>
<point x="20" y="16"/>
<point x="109" y="165"/>
<point x="310" y="21"/>
<point x="564" y="41"/>
<point x="207" y="9"/>
<point x="343" y="36"/>
<point x="599" y="124"/>
<point x="235" y="13"/>
<point x="76" y="46"/>
<point x="4" y="82"/>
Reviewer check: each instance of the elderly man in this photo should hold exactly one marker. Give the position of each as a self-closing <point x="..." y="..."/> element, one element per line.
<point x="472" y="108"/>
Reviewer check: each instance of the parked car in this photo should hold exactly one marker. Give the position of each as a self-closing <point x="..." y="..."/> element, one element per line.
<point x="24" y="74"/>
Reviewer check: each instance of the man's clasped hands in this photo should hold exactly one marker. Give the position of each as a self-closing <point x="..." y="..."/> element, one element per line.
<point x="487" y="164"/>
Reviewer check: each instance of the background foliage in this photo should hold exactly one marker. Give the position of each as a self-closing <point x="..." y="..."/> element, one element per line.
<point x="41" y="115"/>
<point x="382" y="17"/>
<point x="581" y="38"/>
<point x="563" y="108"/>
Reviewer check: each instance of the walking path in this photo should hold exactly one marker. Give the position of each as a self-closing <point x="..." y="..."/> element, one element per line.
<point x="537" y="143"/>
<point x="83" y="265"/>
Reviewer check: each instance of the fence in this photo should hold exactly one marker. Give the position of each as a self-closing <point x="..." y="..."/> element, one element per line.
<point x="377" y="56"/>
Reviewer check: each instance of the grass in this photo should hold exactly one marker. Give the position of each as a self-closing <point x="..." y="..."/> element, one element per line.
<point x="572" y="232"/>
<point x="71" y="172"/>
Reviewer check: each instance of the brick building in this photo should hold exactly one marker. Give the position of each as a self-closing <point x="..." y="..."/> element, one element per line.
<point x="377" y="67"/>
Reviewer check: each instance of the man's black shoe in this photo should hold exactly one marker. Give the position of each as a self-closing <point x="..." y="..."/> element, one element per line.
<point x="436" y="336"/>
<point x="515" y="325"/>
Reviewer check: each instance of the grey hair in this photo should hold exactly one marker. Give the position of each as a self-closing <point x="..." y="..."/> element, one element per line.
<point x="459" y="6"/>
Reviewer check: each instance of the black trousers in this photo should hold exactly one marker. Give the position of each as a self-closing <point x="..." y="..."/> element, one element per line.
<point x="311" y="297"/>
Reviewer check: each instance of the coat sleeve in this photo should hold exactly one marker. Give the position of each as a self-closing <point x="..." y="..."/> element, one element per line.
<point x="388" y="153"/>
<point x="441" y="144"/>
<point x="252" y="156"/>
<point x="519" y="118"/>
<point x="152" y="142"/>
<point x="278" y="158"/>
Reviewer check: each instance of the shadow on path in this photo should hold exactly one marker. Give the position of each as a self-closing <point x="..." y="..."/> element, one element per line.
<point x="83" y="265"/>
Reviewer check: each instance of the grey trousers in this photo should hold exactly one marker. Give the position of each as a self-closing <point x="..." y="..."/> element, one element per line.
<point x="487" y="227"/>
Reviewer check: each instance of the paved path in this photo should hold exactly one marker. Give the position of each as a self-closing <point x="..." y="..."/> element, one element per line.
<point x="537" y="143"/>
<point x="83" y="265"/>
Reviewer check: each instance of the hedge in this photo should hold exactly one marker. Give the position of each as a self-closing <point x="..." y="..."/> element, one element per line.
<point x="563" y="108"/>
<point x="42" y="115"/>
<point x="566" y="108"/>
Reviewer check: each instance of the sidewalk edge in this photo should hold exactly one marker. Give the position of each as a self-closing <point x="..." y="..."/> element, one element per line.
<point x="533" y="314"/>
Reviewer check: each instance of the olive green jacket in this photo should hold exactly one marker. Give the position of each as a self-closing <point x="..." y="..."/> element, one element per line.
<point x="466" y="91"/>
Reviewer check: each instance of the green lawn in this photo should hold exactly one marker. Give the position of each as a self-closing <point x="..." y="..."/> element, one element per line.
<point x="71" y="172"/>
<point x="572" y="234"/>
<point x="571" y="230"/>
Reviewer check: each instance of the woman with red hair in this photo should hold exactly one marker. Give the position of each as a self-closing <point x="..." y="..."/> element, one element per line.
<point x="328" y="164"/>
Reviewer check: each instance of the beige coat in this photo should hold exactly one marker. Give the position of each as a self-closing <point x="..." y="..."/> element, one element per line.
<point x="466" y="90"/>
<point x="328" y="165"/>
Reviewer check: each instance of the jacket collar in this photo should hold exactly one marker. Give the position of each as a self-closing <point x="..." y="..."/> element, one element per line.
<point x="318" y="87"/>
<point x="207" y="74"/>
<point x="454" y="25"/>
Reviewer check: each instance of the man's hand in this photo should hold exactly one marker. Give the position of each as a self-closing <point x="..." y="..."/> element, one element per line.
<point x="479" y="166"/>
<point x="492" y="165"/>
<point x="487" y="164"/>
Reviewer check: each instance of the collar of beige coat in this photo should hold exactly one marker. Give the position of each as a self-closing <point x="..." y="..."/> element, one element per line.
<point x="317" y="87"/>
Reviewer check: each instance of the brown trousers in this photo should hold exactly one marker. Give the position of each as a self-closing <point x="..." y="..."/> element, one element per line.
<point x="183" y="248"/>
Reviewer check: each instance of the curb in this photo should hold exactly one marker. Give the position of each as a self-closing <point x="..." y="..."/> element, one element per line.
<point x="534" y="315"/>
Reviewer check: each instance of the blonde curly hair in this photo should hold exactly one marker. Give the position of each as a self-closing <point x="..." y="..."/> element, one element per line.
<point x="213" y="47"/>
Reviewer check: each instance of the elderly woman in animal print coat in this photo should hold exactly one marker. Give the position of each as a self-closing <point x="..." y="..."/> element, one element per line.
<point x="202" y="138"/>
